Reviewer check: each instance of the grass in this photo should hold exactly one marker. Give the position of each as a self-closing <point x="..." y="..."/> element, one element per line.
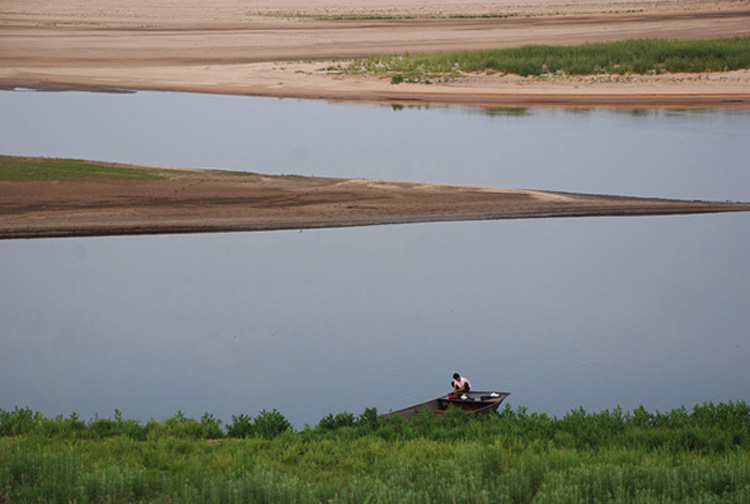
<point x="701" y="455"/>
<point x="653" y="56"/>
<point x="381" y="17"/>
<point x="14" y="168"/>
<point x="486" y="15"/>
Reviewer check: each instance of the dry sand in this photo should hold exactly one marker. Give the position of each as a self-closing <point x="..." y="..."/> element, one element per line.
<point x="193" y="201"/>
<point x="280" y="47"/>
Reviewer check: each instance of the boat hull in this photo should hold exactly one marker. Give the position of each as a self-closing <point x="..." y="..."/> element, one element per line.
<point x="471" y="403"/>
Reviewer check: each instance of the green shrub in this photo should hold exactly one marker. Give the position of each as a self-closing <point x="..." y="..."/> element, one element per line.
<point x="331" y="422"/>
<point x="270" y="424"/>
<point x="210" y="427"/>
<point x="368" y="419"/>
<point x="241" y="426"/>
<point x="18" y="422"/>
<point x="103" y="427"/>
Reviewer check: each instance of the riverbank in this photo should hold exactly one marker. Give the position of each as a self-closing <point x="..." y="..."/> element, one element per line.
<point x="284" y="49"/>
<point x="697" y="455"/>
<point x="58" y="198"/>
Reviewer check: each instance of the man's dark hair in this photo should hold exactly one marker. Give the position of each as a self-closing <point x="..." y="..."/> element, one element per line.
<point x="456" y="376"/>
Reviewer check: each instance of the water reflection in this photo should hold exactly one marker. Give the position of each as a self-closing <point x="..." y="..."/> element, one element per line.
<point x="568" y="312"/>
<point x="499" y="111"/>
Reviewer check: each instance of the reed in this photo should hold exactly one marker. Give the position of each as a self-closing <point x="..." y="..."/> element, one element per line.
<point x="653" y="56"/>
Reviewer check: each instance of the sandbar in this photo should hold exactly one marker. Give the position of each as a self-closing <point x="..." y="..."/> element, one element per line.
<point x="202" y="201"/>
<point x="284" y="48"/>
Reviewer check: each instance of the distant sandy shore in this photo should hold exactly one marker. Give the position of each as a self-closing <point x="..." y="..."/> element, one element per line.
<point x="282" y="47"/>
<point x="200" y="201"/>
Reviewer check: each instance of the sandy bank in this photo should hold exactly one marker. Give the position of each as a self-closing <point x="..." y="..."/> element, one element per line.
<point x="197" y="201"/>
<point x="281" y="48"/>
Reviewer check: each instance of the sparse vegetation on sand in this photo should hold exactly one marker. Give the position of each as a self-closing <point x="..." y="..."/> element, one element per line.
<point x="515" y="456"/>
<point x="376" y="16"/>
<point x="652" y="56"/>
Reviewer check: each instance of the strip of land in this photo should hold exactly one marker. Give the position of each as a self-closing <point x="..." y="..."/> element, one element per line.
<point x="113" y="199"/>
<point x="283" y="48"/>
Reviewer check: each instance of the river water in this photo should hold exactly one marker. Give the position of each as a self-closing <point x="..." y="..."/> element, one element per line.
<point x="592" y="312"/>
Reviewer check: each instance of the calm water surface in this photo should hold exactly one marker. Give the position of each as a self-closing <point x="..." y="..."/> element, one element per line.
<point x="595" y="312"/>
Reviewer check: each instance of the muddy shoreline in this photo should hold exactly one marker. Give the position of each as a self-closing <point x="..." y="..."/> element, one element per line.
<point x="203" y="201"/>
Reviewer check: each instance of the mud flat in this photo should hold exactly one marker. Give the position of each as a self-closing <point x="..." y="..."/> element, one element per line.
<point x="201" y="201"/>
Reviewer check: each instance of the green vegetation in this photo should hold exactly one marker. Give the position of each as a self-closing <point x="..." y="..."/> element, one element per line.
<point x="25" y="168"/>
<point x="701" y="455"/>
<point x="620" y="58"/>
<point x="380" y="16"/>
<point x="487" y="15"/>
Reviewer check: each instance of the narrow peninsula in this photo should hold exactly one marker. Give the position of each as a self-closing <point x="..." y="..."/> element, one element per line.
<point x="43" y="198"/>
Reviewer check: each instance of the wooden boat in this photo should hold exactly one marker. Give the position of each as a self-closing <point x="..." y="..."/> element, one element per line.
<point x="473" y="403"/>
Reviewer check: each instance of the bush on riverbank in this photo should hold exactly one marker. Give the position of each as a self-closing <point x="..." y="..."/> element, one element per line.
<point x="708" y="428"/>
<point x="513" y="456"/>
